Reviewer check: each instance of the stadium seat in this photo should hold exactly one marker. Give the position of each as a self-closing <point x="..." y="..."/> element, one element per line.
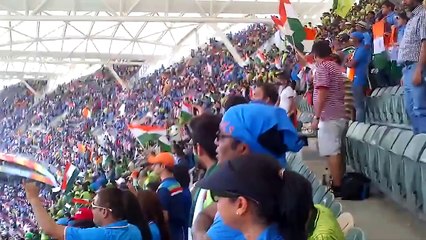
<point x="319" y="194"/>
<point x="349" y="133"/>
<point x="373" y="153"/>
<point x="383" y="156"/>
<point x="377" y="104"/>
<point x="411" y="170"/>
<point x="356" y="145"/>
<point x="336" y="208"/>
<point x="355" y="234"/>
<point x="384" y="105"/>
<point x="395" y="163"/>
<point x="422" y="183"/>
<point x="371" y="105"/>
<point x="392" y="112"/>
<point x="315" y="185"/>
<point x="328" y="199"/>
<point x="398" y="106"/>
<point x="346" y="222"/>
<point x="365" y="142"/>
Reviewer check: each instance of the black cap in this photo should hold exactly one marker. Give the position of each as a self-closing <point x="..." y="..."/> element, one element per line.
<point x="240" y="177"/>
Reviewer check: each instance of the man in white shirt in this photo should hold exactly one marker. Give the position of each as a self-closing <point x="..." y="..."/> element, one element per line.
<point x="286" y="93"/>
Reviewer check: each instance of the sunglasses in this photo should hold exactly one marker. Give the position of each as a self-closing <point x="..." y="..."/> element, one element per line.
<point x="220" y="136"/>
<point x="94" y="206"/>
<point x="228" y="194"/>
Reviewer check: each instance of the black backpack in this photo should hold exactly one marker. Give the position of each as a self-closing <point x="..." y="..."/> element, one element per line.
<point x="355" y="186"/>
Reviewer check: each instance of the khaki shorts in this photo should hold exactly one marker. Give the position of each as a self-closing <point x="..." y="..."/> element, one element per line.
<point x="330" y="136"/>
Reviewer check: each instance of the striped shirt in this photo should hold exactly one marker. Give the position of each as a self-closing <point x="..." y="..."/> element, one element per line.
<point x="328" y="75"/>
<point x="414" y="34"/>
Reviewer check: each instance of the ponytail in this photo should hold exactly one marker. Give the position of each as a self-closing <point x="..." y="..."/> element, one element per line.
<point x="295" y="204"/>
<point x="134" y="214"/>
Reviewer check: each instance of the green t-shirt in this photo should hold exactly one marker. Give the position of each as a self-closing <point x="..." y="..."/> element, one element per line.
<point x="323" y="225"/>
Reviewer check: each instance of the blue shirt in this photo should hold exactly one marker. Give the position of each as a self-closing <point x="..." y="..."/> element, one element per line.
<point x="294" y="72"/>
<point x="155" y="231"/>
<point x="368" y="40"/>
<point x="219" y="231"/>
<point x="362" y="59"/>
<point x="271" y="233"/>
<point x="177" y="202"/>
<point x="391" y="18"/>
<point x="401" y="30"/>
<point x="120" y="230"/>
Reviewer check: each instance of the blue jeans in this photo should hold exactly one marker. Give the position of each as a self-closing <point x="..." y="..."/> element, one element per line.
<point x="415" y="99"/>
<point x="359" y="102"/>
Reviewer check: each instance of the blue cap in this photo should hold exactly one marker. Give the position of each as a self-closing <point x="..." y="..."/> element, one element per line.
<point x="358" y="35"/>
<point x="63" y="221"/>
<point x="252" y="123"/>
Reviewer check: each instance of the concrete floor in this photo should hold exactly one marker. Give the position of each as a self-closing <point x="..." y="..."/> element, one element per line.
<point x="378" y="216"/>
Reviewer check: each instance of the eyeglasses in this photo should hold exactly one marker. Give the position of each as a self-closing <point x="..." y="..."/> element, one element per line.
<point x="220" y="135"/>
<point x="94" y="206"/>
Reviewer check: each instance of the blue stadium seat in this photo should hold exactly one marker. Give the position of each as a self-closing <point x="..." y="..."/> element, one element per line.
<point x="395" y="163"/>
<point x="319" y="194"/>
<point x="384" y="155"/>
<point x="336" y="208"/>
<point x="411" y="170"/>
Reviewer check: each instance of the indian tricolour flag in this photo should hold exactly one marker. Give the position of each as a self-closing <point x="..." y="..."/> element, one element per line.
<point x="260" y="57"/>
<point x="186" y="112"/>
<point x="144" y="133"/>
<point x="289" y="24"/>
<point x="70" y="175"/>
<point x="164" y="144"/>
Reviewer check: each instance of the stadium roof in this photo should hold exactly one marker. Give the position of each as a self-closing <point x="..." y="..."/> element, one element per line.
<point x="47" y="39"/>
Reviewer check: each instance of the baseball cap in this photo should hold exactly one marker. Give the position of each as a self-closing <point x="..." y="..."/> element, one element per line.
<point x="83" y="214"/>
<point x="362" y="24"/>
<point x="265" y="129"/>
<point x="358" y="35"/>
<point x="164" y="158"/>
<point x="248" y="175"/>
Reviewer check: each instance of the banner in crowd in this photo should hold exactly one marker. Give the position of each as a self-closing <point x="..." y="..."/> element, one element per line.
<point x="15" y="171"/>
<point x="35" y="167"/>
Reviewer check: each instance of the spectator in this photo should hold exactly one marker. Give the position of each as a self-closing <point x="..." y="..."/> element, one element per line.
<point x="83" y="218"/>
<point x="329" y="110"/>
<point x="108" y="211"/>
<point x="233" y="100"/>
<point x="412" y="57"/>
<point x="151" y="208"/>
<point x="266" y="93"/>
<point x="359" y="62"/>
<point x="256" y="196"/>
<point x="287" y="95"/>
<point x="176" y="204"/>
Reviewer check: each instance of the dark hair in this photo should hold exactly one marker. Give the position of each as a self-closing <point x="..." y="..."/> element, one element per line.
<point x="285" y="200"/>
<point x="403" y="15"/>
<point x="389" y="4"/>
<point x="284" y="75"/>
<point x="336" y="58"/>
<point x="321" y="49"/>
<point x="83" y="224"/>
<point x="234" y="100"/>
<point x="270" y="91"/>
<point x="180" y="172"/>
<point x="124" y="205"/>
<point x="151" y="208"/>
<point x="203" y="132"/>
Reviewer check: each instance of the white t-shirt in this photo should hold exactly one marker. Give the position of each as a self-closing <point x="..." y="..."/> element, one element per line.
<point x="285" y="98"/>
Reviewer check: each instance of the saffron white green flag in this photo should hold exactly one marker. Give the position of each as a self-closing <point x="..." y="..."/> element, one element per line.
<point x="144" y="133"/>
<point x="186" y="112"/>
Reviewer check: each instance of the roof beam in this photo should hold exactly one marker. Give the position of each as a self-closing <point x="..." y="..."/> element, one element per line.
<point x="131" y="6"/>
<point x="80" y="55"/>
<point x="135" y="19"/>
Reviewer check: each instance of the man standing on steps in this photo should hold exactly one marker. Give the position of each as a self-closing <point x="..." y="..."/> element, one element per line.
<point x="329" y="108"/>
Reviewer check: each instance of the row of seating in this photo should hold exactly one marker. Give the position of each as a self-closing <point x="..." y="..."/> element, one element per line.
<point x="322" y="195"/>
<point x="385" y="106"/>
<point x="393" y="158"/>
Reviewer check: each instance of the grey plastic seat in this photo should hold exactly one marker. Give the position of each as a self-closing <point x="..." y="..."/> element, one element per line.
<point x="395" y="163"/>
<point x="392" y="114"/>
<point x="365" y="143"/>
<point x="398" y="106"/>
<point x="373" y="153"/>
<point x="355" y="234"/>
<point x="371" y="109"/>
<point x="411" y="170"/>
<point x="356" y="145"/>
<point x="315" y="185"/>
<point x="422" y="183"/>
<point x="328" y="199"/>
<point x="384" y="105"/>
<point x="319" y="194"/>
<point x="336" y="208"/>
<point x="384" y="155"/>
<point x="349" y="135"/>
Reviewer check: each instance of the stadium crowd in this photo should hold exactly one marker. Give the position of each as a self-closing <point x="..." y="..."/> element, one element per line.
<point x="85" y="123"/>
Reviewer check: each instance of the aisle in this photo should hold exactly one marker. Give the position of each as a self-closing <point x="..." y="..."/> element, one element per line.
<point x="378" y="216"/>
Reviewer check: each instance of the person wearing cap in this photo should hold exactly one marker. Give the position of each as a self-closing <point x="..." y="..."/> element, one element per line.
<point x="363" y="27"/>
<point x="412" y="57"/>
<point x="330" y="115"/>
<point x="261" y="199"/>
<point x="175" y="200"/>
<point x="359" y="63"/>
<point x="83" y="218"/>
<point x="247" y="128"/>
